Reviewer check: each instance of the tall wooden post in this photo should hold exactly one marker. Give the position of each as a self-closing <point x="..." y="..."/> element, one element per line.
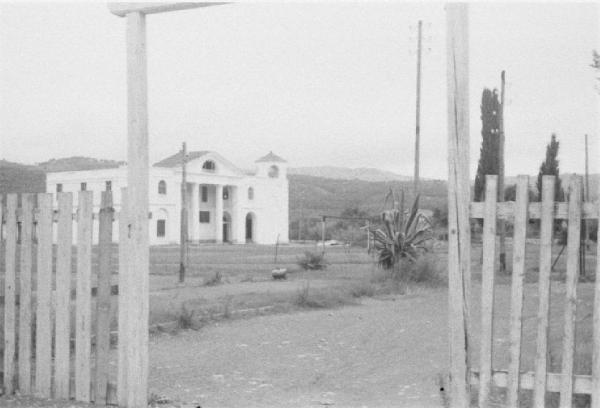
<point x="418" y="110"/>
<point x="183" y="225"/>
<point x="368" y="236"/>
<point x="323" y="221"/>
<point x="134" y="261"/>
<point x="501" y="223"/>
<point x="137" y="213"/>
<point x="459" y="273"/>
<point x="587" y="194"/>
<point x="596" y="335"/>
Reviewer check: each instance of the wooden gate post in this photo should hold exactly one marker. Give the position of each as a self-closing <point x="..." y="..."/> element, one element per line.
<point x="459" y="237"/>
<point x="596" y="323"/>
<point x="137" y="213"/>
<point x="135" y="375"/>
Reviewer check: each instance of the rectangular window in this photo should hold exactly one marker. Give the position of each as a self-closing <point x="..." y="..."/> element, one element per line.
<point x="225" y="193"/>
<point x="83" y="186"/>
<point x="108" y="184"/>
<point x="160" y="228"/>
<point x="204" y="194"/>
<point x="59" y="188"/>
<point x="205" y="217"/>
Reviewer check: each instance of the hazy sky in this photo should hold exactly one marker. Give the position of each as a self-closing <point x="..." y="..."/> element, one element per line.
<point x="317" y="83"/>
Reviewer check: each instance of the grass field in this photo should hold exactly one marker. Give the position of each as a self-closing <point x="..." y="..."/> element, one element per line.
<point x="226" y="283"/>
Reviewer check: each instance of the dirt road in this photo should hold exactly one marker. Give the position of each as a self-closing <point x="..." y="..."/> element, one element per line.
<point x="374" y="355"/>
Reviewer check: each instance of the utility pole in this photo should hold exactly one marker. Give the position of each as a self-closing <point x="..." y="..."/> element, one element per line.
<point x="418" y="110"/>
<point x="587" y="171"/>
<point x="323" y="221"/>
<point x="586" y="229"/>
<point x="183" y="244"/>
<point x="501" y="223"/>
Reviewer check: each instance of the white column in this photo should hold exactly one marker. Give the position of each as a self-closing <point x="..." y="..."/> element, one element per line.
<point x="194" y="213"/>
<point x="237" y="220"/>
<point x="219" y="213"/>
<point x="240" y="228"/>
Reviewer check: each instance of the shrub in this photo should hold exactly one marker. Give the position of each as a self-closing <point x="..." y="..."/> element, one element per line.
<point x="363" y="289"/>
<point x="403" y="236"/>
<point x="227" y="307"/>
<point x="312" y="261"/>
<point x="185" y="318"/>
<point x="214" y="280"/>
<point x="320" y="298"/>
<point x="426" y="270"/>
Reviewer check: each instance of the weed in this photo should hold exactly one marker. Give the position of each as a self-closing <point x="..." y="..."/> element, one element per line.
<point x="185" y="318"/>
<point x="227" y="307"/>
<point x="312" y="261"/>
<point x="363" y="288"/>
<point x="321" y="298"/>
<point x="425" y="270"/>
<point x="303" y="295"/>
<point x="214" y="280"/>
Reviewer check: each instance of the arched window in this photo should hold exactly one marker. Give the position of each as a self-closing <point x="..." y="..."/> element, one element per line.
<point x="162" y="187"/>
<point x="209" y="165"/>
<point x="273" y="171"/>
<point x="250" y="193"/>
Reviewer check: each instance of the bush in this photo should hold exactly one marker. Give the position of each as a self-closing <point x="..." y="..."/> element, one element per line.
<point x="185" y="318"/>
<point x="363" y="289"/>
<point x="214" y="280"/>
<point x="321" y="298"/>
<point x="425" y="270"/>
<point x="312" y="261"/>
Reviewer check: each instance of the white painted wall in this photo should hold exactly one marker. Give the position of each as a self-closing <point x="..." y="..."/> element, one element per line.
<point x="270" y="204"/>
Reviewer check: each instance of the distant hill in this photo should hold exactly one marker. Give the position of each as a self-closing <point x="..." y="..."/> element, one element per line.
<point x="345" y="173"/>
<point x="78" y="163"/>
<point x="311" y="196"/>
<point x="20" y="178"/>
<point x="594" y="179"/>
<point x="333" y="191"/>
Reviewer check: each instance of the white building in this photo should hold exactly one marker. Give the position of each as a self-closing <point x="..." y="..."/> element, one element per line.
<point x="225" y="203"/>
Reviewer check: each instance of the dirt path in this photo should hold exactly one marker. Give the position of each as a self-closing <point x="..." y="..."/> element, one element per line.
<point x="374" y="355"/>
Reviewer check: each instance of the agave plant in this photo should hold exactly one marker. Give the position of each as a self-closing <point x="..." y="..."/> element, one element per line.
<point x="403" y="235"/>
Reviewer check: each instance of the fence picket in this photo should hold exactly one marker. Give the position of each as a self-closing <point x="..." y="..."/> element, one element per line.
<point x="516" y="302"/>
<point x="122" y="302"/>
<point x="573" y="242"/>
<point x="547" y="224"/>
<point x="62" y="353"/>
<point x="596" y="323"/>
<point x="43" y="337"/>
<point x="103" y="298"/>
<point x="10" y="253"/>
<point x="24" y="353"/>
<point x="487" y="290"/>
<point x="459" y="237"/>
<point x="83" y="302"/>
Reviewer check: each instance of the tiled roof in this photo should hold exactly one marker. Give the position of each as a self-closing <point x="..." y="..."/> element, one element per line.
<point x="175" y="160"/>
<point x="271" y="157"/>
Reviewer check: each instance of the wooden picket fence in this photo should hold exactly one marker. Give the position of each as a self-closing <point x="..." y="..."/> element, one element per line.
<point x="40" y="314"/>
<point x="514" y="378"/>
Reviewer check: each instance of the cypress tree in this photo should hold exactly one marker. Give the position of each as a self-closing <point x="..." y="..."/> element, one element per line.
<point x="490" y="131"/>
<point x="550" y="167"/>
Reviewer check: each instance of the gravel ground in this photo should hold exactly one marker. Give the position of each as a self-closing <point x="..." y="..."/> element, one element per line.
<point x="373" y="355"/>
